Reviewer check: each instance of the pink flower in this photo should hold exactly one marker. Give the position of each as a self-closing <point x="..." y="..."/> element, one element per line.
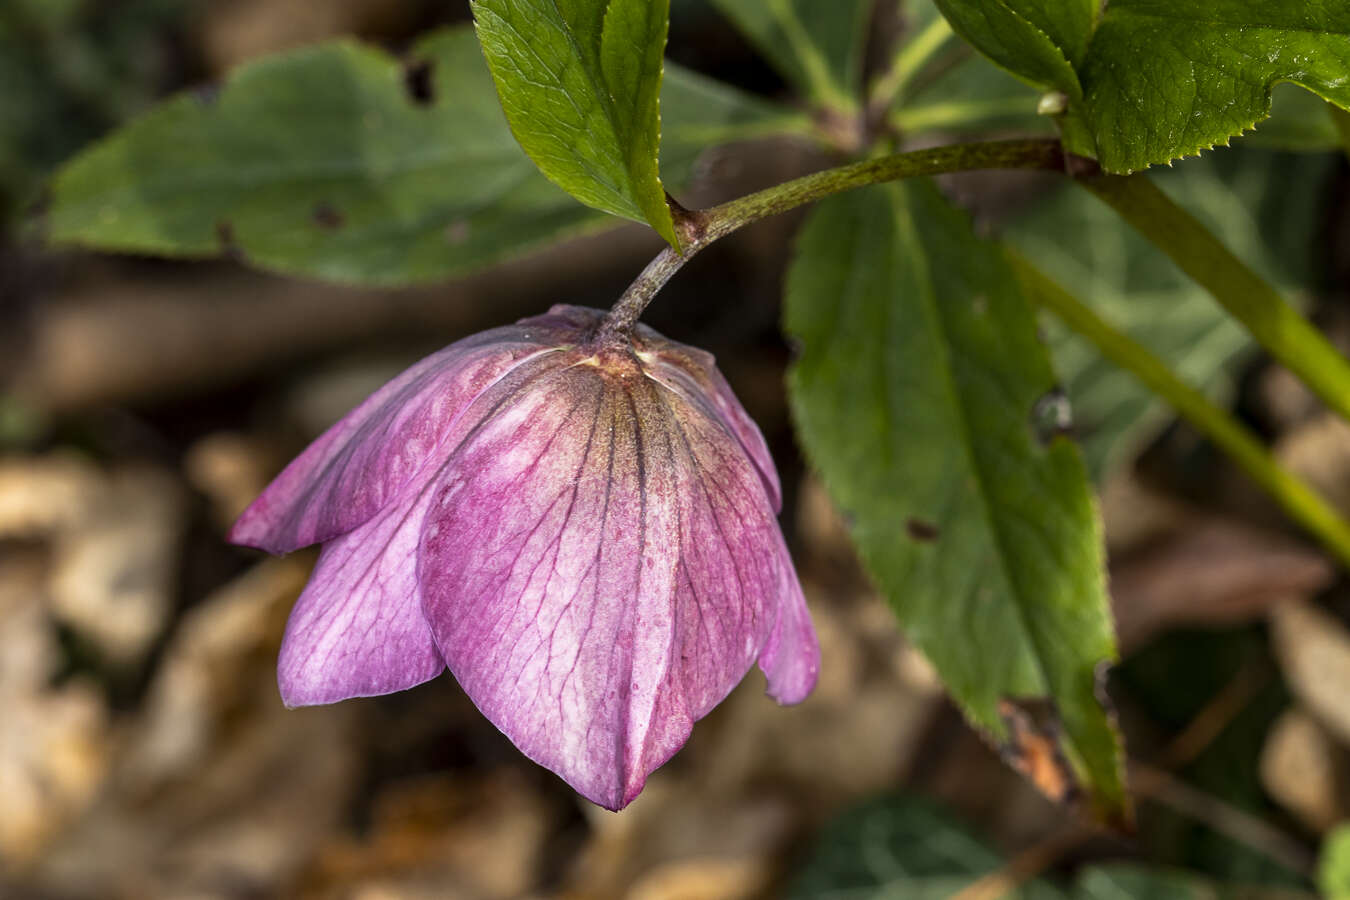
<point x="581" y="528"/>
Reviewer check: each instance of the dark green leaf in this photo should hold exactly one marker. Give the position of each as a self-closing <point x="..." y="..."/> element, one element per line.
<point x="900" y="847"/>
<point x="1164" y="79"/>
<point x="580" y="82"/>
<point x="927" y="402"/>
<point x="818" y="46"/>
<point x="320" y="163"/>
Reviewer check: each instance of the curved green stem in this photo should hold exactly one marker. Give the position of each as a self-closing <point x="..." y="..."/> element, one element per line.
<point x="1299" y="500"/>
<point x="1274" y="323"/>
<point x="699" y="228"/>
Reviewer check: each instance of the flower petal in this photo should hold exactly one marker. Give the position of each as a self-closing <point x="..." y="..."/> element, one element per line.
<point x="739" y="598"/>
<point x="791" y="657"/>
<point x="548" y="569"/>
<point x="692" y="373"/>
<point x="369" y="457"/>
<point x="601" y="567"/>
<point x="357" y="629"/>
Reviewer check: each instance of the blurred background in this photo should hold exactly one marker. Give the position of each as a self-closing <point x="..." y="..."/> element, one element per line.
<point x="145" y="753"/>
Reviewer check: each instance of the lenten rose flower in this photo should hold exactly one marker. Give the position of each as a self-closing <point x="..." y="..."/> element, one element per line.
<point x="581" y="527"/>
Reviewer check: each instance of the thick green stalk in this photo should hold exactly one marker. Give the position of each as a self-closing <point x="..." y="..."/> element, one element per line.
<point x="1269" y="318"/>
<point x="1300" y="501"/>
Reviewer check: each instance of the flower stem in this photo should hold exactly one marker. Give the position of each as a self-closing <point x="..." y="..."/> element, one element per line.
<point x="623" y="315"/>
<point x="1299" y="500"/>
<point x="699" y="228"/>
<point x="1275" y="324"/>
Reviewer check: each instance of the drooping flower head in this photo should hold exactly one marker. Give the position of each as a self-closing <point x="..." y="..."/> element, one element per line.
<point x="580" y="526"/>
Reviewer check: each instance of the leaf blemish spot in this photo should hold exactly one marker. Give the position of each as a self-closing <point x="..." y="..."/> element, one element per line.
<point x="457" y="232"/>
<point x="327" y="216"/>
<point x="920" y="530"/>
<point x="1033" y="749"/>
<point x="41" y="205"/>
<point x="1051" y="417"/>
<point x="229" y="248"/>
<point x="1101" y="678"/>
<point x="206" y="95"/>
<point x="417" y="81"/>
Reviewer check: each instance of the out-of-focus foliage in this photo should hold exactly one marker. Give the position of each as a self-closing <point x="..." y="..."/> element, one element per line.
<point x="904" y="846"/>
<point x="1333" y="870"/>
<point x="70" y="69"/>
<point x="1119" y="881"/>
<point x="949" y="445"/>
<point x="1175" y="678"/>
<point x="970" y="97"/>
<point x="900" y="846"/>
<point x="818" y="47"/>
<point x="1299" y="120"/>
<point x="1262" y="205"/>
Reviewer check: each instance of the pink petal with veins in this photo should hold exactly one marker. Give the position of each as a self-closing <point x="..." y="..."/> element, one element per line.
<point x="364" y="461"/>
<point x="601" y="567"/>
<point x="357" y="629"/>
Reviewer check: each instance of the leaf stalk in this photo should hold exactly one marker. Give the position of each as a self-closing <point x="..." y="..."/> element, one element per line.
<point x="1266" y="315"/>
<point x="1298" y="500"/>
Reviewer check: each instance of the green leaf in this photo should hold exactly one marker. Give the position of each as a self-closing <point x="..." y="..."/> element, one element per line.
<point x="1333" y="867"/>
<point x="320" y="163"/>
<point x="1164" y="79"/>
<point x="580" y="82"/>
<point x="1037" y="40"/>
<point x="901" y="847"/>
<point x="1256" y="202"/>
<point x="927" y="402"/>
<point x="817" y="46"/>
<point x="1124" y="880"/>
